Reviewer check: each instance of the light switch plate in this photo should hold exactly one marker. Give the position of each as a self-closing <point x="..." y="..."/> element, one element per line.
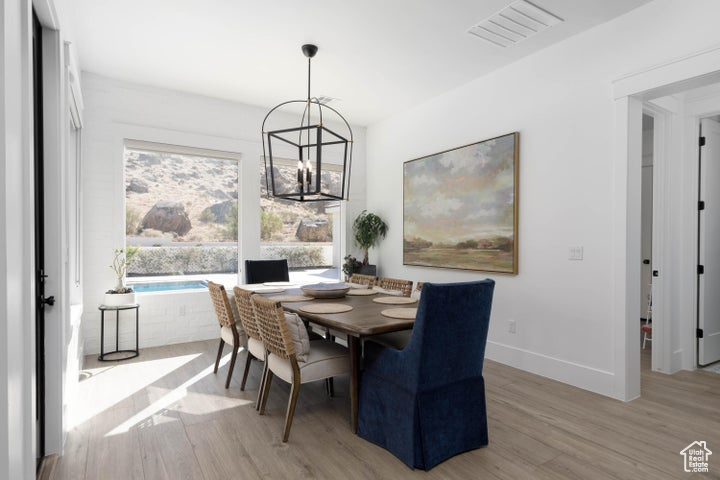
<point x="575" y="253"/>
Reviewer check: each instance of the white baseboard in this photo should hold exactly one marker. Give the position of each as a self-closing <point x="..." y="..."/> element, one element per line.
<point x="581" y="376"/>
<point x="677" y="363"/>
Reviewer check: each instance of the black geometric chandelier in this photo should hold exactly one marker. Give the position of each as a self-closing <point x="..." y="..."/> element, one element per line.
<point x="315" y="136"/>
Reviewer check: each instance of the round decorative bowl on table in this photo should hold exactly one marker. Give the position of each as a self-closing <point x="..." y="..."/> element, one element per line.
<point x="326" y="290"/>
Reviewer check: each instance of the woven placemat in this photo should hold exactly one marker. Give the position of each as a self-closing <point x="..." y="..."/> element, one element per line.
<point x="401" y="313"/>
<point x="260" y="288"/>
<point x="325" y="308"/>
<point x="291" y="298"/>
<point x="395" y="300"/>
<point x="361" y="291"/>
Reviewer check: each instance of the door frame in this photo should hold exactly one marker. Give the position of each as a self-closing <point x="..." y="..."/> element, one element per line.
<point x="56" y="225"/>
<point x="17" y="262"/>
<point x="662" y="137"/>
<point x="629" y="92"/>
<point x="55" y="121"/>
<point x="38" y="137"/>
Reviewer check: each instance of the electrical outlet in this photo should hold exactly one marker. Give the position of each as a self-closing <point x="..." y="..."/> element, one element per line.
<point x="575" y="253"/>
<point x="512" y="326"/>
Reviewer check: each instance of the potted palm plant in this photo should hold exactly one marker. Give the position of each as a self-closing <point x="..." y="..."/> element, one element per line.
<point x="368" y="230"/>
<point x="121" y="294"/>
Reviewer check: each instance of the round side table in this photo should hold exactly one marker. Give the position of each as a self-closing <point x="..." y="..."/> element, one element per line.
<point x="117" y="308"/>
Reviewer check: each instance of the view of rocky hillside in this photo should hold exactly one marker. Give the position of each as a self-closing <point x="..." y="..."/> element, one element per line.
<point x="181" y="198"/>
<point x="185" y="198"/>
<point x="290" y="221"/>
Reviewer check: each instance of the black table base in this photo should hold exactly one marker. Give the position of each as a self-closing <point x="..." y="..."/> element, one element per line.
<point x="133" y="353"/>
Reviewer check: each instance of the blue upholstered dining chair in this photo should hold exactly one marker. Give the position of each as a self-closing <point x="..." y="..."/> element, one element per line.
<point x="426" y="402"/>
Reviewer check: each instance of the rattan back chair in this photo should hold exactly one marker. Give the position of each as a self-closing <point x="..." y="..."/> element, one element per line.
<point x="273" y="327"/>
<point x="360" y="279"/>
<point x="247" y="313"/>
<point x="326" y="358"/>
<point x="404" y="286"/>
<point x="228" y="329"/>
<point x="256" y="349"/>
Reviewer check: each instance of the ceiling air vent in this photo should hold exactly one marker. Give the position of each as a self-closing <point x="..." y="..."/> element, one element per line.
<point x="517" y="22"/>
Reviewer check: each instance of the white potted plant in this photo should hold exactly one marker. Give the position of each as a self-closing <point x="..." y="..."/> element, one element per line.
<point x="121" y="294"/>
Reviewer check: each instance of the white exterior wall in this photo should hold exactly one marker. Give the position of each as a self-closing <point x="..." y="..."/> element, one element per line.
<point x="570" y="190"/>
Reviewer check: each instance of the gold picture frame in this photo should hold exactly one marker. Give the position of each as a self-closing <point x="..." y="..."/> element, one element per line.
<point x="460" y="207"/>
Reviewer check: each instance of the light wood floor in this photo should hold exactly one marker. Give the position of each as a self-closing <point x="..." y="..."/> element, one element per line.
<point x="165" y="415"/>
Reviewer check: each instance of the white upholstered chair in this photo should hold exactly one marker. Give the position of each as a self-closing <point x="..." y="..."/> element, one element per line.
<point x="291" y="356"/>
<point x="229" y="333"/>
<point x="256" y="350"/>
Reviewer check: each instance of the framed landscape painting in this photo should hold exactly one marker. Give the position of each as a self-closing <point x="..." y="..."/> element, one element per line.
<point x="460" y="207"/>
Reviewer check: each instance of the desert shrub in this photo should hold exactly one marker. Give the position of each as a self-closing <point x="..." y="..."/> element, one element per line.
<point x="132" y="221"/>
<point x="151" y="232"/>
<point x="270" y="223"/>
<point x="232" y="223"/>
<point x="207" y="216"/>
<point x="170" y="260"/>
<point x="297" y="255"/>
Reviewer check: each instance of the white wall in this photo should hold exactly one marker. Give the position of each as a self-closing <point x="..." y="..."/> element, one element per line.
<point x="116" y="110"/>
<point x="17" y="311"/>
<point x="560" y="100"/>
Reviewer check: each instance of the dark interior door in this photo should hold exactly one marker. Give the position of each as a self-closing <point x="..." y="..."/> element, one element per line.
<point x="39" y="399"/>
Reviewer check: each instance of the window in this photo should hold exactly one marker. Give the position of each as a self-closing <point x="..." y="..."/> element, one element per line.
<point x="304" y="233"/>
<point x="181" y="209"/>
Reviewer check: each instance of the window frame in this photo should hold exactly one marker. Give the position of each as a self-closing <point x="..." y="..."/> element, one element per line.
<point x="171" y="148"/>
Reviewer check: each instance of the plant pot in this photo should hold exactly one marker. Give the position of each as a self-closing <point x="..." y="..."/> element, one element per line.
<point x="115" y="299"/>
<point x="368" y="270"/>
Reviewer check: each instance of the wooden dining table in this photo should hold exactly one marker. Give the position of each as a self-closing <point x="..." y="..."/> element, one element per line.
<point x="363" y="321"/>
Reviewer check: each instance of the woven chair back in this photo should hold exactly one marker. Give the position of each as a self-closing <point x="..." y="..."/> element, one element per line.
<point x="360" y="279"/>
<point x="273" y="327"/>
<point x="247" y="313"/>
<point x="405" y="286"/>
<point x="223" y="310"/>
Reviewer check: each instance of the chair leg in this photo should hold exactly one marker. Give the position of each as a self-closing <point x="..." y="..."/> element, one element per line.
<point x="232" y="365"/>
<point x="219" y="355"/>
<point x="266" y="390"/>
<point x="330" y="387"/>
<point x="247" y="369"/>
<point x="262" y="386"/>
<point x="294" y="391"/>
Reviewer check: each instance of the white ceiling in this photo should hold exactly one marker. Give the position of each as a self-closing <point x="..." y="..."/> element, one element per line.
<point x="377" y="56"/>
